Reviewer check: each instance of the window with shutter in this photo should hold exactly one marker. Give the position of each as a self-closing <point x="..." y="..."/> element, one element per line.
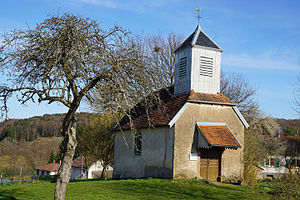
<point x="182" y="67"/>
<point x="206" y="66"/>
<point x="138" y="143"/>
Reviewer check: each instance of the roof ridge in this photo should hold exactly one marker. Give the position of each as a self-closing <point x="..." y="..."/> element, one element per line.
<point x="225" y="96"/>
<point x="191" y="95"/>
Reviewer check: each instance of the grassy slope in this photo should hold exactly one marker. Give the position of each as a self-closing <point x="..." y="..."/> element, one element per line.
<point x="130" y="189"/>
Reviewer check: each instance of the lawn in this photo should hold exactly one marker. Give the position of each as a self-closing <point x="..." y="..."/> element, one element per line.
<point x="132" y="189"/>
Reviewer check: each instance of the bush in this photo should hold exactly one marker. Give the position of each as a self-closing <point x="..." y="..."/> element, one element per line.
<point x="288" y="187"/>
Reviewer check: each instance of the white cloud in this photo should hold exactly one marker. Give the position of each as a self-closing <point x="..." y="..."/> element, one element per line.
<point x="267" y="60"/>
<point x="105" y="3"/>
<point x="133" y="5"/>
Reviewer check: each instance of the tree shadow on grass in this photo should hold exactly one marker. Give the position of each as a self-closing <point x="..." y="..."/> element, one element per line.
<point x="161" y="190"/>
<point x="13" y="193"/>
<point x="158" y="189"/>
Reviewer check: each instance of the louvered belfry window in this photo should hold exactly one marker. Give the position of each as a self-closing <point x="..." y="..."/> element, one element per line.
<point x="206" y="66"/>
<point x="182" y="67"/>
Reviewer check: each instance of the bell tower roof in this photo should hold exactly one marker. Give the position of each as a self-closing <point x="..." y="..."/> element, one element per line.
<point x="197" y="65"/>
<point x="198" y="38"/>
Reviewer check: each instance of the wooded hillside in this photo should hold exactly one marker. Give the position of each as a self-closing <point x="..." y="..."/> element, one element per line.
<point x="28" y="143"/>
<point x="289" y="126"/>
<point x="32" y="128"/>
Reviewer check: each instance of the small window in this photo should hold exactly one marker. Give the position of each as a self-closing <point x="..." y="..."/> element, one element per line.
<point x="267" y="162"/>
<point x="182" y="67"/>
<point x="206" y="66"/>
<point x="273" y="162"/>
<point x="138" y="143"/>
<point x="297" y="163"/>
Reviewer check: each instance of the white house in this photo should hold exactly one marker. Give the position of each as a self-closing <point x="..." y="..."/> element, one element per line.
<point x="80" y="170"/>
<point x="278" y="166"/>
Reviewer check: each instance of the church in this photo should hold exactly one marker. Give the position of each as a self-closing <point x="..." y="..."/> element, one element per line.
<point x="195" y="132"/>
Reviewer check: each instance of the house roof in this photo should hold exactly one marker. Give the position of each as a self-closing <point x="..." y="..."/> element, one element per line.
<point x="161" y="113"/>
<point x="52" y="167"/>
<point x="290" y="138"/>
<point x="78" y="162"/>
<point x="218" y="135"/>
<point x="198" y="38"/>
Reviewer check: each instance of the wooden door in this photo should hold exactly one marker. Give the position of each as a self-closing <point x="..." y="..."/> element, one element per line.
<point x="210" y="163"/>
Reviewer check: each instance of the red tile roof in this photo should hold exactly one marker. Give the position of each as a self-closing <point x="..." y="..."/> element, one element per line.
<point x="52" y="167"/>
<point x="219" y="136"/>
<point x="217" y="98"/>
<point x="78" y="162"/>
<point x="161" y="113"/>
<point x="290" y="138"/>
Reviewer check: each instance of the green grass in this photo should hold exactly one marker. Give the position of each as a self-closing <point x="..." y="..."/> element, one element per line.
<point x="150" y="189"/>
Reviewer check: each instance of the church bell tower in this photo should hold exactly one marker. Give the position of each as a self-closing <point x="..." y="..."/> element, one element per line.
<point x="197" y="65"/>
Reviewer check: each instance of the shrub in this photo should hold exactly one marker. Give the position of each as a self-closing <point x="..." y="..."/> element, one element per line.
<point x="288" y="187"/>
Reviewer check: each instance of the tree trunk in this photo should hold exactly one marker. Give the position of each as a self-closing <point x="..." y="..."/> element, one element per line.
<point x="64" y="172"/>
<point x="103" y="170"/>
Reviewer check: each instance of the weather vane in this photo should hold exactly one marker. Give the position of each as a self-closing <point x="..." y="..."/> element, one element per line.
<point x="198" y="16"/>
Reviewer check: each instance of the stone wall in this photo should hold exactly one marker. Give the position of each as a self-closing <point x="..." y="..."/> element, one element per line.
<point x="231" y="162"/>
<point x="156" y="159"/>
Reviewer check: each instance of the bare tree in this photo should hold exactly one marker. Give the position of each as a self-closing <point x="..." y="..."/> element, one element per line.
<point x="158" y="52"/>
<point x="95" y="140"/>
<point x="260" y="142"/>
<point x="158" y="57"/>
<point x="296" y="102"/>
<point x="237" y="88"/>
<point x="61" y="60"/>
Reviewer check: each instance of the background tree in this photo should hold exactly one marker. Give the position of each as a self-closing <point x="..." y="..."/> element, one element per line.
<point x="159" y="54"/>
<point x="52" y="157"/>
<point x="296" y="102"/>
<point x="95" y="140"/>
<point x="237" y="88"/>
<point x="260" y="142"/>
<point x="61" y="60"/>
<point x="292" y="151"/>
<point x="288" y="130"/>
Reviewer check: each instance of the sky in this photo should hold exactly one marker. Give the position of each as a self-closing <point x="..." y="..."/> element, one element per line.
<point x="260" y="39"/>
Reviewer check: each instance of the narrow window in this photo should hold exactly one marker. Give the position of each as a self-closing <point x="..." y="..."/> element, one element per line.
<point x="276" y="162"/>
<point x="182" y="67"/>
<point x="272" y="162"/>
<point x="206" y="66"/>
<point x="138" y="143"/>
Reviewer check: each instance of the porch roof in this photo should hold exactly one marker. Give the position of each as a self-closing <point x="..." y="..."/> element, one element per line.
<point x="216" y="135"/>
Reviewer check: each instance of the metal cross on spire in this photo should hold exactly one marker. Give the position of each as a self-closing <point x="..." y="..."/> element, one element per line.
<point x="198" y="16"/>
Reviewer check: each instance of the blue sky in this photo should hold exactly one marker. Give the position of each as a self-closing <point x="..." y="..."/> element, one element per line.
<point x="260" y="39"/>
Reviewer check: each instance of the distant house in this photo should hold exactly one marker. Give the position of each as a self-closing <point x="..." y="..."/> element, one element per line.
<point x="49" y="169"/>
<point x="195" y="131"/>
<point x="79" y="168"/>
<point x="95" y="170"/>
<point x="278" y="166"/>
<point x="81" y="171"/>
